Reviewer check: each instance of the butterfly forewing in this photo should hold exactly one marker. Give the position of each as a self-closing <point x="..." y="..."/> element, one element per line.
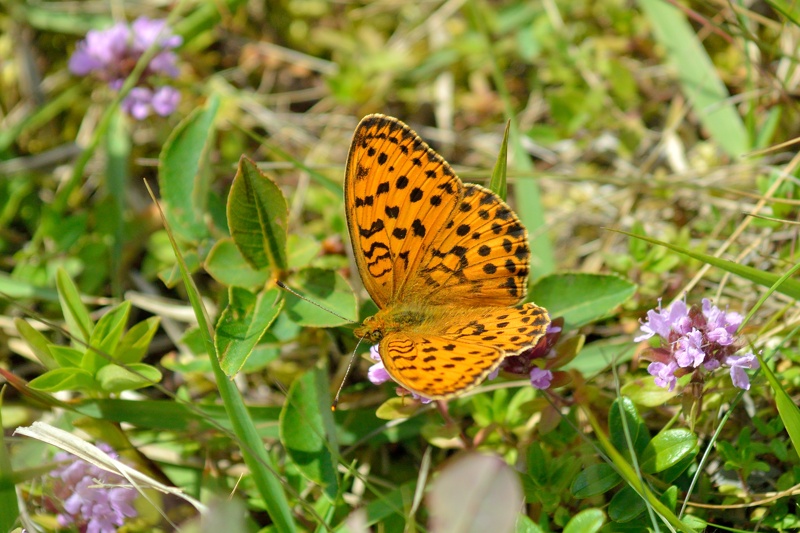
<point x="480" y="257"/>
<point x="398" y="194"/>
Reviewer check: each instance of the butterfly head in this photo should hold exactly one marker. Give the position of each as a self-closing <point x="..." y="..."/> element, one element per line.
<point x="371" y="330"/>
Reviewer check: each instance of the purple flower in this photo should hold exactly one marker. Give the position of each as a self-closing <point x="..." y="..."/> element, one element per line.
<point x="111" y="55"/>
<point x="690" y="349"/>
<point x="693" y="340"/>
<point x="664" y="374"/>
<point x="662" y="321"/>
<point x="377" y="373"/>
<point x="540" y="378"/>
<point x="90" y="507"/>
<point x="738" y="364"/>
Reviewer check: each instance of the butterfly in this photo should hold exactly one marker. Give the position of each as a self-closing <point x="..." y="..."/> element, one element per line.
<point x="445" y="262"/>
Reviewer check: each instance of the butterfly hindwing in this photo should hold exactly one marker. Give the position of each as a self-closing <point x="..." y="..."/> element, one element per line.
<point x="437" y="367"/>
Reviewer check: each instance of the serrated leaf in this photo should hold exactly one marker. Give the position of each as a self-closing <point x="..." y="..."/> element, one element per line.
<point x="184" y="188"/>
<point x="242" y="324"/>
<point x="323" y="287"/>
<point x="593" y="480"/>
<point x="581" y="298"/>
<point x="226" y="264"/>
<point x="475" y="493"/>
<point x="258" y="217"/>
<point x="668" y="448"/>
<point x="115" y="378"/>
<point x="76" y="315"/>
<point x="303" y="432"/>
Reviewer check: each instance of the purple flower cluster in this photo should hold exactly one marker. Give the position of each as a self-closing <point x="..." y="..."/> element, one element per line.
<point x="88" y="507"/>
<point x="694" y="339"/>
<point x="111" y="55"/>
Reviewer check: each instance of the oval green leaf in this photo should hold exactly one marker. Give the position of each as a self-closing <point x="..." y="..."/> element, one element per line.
<point x="581" y="298"/>
<point x="625" y="505"/>
<point x="594" y="480"/>
<point x="668" y="448"/>
<point x="226" y="264"/>
<point x="327" y="288"/>
<point x="587" y="521"/>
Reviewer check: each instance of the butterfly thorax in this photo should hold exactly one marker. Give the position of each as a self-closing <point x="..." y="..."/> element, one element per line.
<point x="416" y="319"/>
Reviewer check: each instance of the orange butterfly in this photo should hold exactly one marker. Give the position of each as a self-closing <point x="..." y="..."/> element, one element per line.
<point x="443" y="260"/>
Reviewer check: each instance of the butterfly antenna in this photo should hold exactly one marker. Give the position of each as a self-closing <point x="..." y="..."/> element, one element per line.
<point x="283" y="286"/>
<point x="346" y="373"/>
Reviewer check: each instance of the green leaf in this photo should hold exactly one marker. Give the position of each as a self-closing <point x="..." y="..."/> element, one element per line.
<point x="242" y="324"/>
<point x="581" y="298"/>
<point x="75" y="313"/>
<point x="115" y="378"/>
<point x="789" y="287"/>
<point x="475" y="493"/>
<point x="587" y="521"/>
<point x="790" y="414"/>
<point x="134" y="344"/>
<point x="637" y="429"/>
<point x="66" y="357"/>
<point x="626" y="505"/>
<point x="38" y="343"/>
<point x="64" y="379"/>
<point x="599" y="355"/>
<point x="181" y="172"/>
<point x="105" y="337"/>
<point x="226" y="264"/>
<point x="303" y="431"/>
<point x="526" y="525"/>
<point x="498" y="183"/>
<point x="668" y="448"/>
<point x="698" y="77"/>
<point x="645" y="392"/>
<point x="593" y="480"/>
<point x="302" y="250"/>
<point x="326" y="288"/>
<point x="258" y="217"/>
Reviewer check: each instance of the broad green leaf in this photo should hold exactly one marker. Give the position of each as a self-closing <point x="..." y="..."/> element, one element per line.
<point x="396" y="409"/>
<point x="698" y="76"/>
<point x="526" y="525"/>
<point x="242" y="324"/>
<point x="599" y="355"/>
<point x="668" y="448"/>
<point x="626" y="505"/>
<point x="115" y="378"/>
<point x="787" y="409"/>
<point x="181" y="171"/>
<point x="64" y="379"/>
<point x="475" y="493"/>
<point x="302" y="250"/>
<point x="789" y="287"/>
<point x="258" y="217"/>
<point x="75" y="313"/>
<point x="303" y="431"/>
<point x="581" y="298"/>
<point x="38" y="343"/>
<point x="498" y="182"/>
<point x="226" y="264"/>
<point x="593" y="480"/>
<point x="637" y="429"/>
<point x="9" y="508"/>
<point x="587" y="521"/>
<point x="134" y="344"/>
<point x="644" y="391"/>
<point x="105" y="337"/>
<point x="323" y="287"/>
